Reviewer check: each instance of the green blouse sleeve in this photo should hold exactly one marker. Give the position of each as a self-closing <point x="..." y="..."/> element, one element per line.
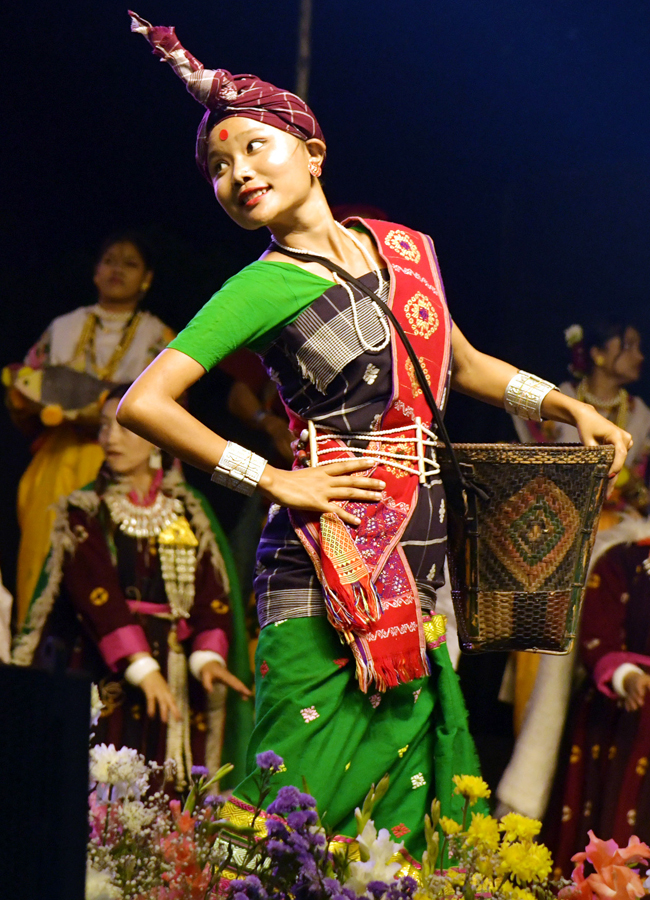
<point x="250" y="310"/>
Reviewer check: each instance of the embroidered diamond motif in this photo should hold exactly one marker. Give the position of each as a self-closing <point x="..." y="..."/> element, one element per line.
<point x="431" y="573"/>
<point x="309" y="713"/>
<point x="418" y="780"/>
<point x="347" y="766"/>
<point x="531" y="533"/>
<point x="264" y="669"/>
<point x="343" y="661"/>
<point x="400" y="830"/>
<point x="375" y="700"/>
<point x="402" y="751"/>
<point x="416" y="694"/>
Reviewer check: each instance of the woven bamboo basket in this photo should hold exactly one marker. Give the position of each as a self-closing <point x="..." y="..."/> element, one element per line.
<point x="518" y="561"/>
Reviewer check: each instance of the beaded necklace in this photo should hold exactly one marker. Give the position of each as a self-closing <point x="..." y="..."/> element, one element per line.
<point x="381" y="289"/>
<point x="164" y="520"/>
<point x="620" y="401"/>
<point x="86" y="346"/>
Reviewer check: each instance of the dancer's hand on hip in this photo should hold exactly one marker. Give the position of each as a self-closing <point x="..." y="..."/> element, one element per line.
<point x="322" y="488"/>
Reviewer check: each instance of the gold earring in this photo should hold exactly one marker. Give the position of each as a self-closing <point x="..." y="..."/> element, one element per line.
<point x="155" y="459"/>
<point x="599" y="360"/>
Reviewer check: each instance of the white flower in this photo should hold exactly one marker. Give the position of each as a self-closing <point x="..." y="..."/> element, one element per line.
<point x="96" y="705"/>
<point x="99" y="886"/>
<point x="124" y="769"/>
<point x="135" y="816"/>
<point x="379" y="849"/>
<point x="646" y="883"/>
<point x="573" y="335"/>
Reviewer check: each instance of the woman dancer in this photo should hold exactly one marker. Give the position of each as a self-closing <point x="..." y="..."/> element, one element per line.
<point x="135" y="589"/>
<point x="353" y="678"/>
<point x="111" y="341"/>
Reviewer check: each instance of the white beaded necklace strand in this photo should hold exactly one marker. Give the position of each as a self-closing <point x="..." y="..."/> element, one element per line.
<point x="381" y="286"/>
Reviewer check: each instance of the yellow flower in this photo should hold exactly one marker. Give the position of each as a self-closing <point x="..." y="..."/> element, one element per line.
<point x="520" y="828"/>
<point x="542" y="861"/>
<point x="449" y="826"/>
<point x="484" y="831"/>
<point x="471" y="786"/>
<point x="522" y="894"/>
<point x="526" y="862"/>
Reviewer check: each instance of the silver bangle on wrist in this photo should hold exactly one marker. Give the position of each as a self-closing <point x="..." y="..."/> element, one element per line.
<point x="525" y="394"/>
<point x="137" y="671"/>
<point x="239" y="469"/>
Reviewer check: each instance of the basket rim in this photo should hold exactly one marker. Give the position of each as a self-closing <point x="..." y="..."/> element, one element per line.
<point x="603" y="451"/>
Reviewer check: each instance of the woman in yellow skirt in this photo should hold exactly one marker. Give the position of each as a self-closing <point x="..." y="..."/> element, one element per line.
<point x="55" y="395"/>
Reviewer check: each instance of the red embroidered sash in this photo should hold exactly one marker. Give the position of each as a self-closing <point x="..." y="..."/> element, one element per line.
<point x="369" y="590"/>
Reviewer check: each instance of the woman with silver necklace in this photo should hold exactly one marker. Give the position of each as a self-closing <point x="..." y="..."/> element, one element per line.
<point x="353" y="679"/>
<point x="137" y="592"/>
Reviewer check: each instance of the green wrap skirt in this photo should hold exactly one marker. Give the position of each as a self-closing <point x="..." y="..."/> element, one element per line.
<point x="338" y="741"/>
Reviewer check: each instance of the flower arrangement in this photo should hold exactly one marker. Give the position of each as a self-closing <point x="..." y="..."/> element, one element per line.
<point x="145" y="846"/>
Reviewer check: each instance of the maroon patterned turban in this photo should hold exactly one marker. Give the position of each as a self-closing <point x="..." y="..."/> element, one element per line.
<point x="225" y="95"/>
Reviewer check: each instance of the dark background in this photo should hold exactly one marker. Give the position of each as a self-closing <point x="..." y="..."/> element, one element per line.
<point x="514" y="131"/>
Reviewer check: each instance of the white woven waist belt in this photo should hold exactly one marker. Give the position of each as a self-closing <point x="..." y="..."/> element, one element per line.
<point x="410" y="448"/>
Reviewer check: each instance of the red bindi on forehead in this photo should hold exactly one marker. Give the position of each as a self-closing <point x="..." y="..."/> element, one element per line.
<point x="223" y="135"/>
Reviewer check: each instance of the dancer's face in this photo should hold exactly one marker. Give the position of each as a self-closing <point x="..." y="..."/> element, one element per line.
<point x="622" y="357"/>
<point x="126" y="452"/>
<point x="260" y="174"/>
<point x="121" y="275"/>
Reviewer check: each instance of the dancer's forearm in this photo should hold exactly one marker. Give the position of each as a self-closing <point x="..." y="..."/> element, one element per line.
<point x="151" y="409"/>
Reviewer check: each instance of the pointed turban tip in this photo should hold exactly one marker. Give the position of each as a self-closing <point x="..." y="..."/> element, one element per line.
<point x="225" y="95"/>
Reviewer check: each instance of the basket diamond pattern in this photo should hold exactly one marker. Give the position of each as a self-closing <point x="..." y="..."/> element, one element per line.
<point x="531" y="532"/>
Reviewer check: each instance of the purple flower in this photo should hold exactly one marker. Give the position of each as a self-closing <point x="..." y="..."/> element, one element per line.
<point x="301" y="817"/>
<point x="199" y="772"/>
<point x="306" y="801"/>
<point x="214" y="800"/>
<point x="377" y="888"/>
<point x="249" y="889"/>
<point x="287" y="800"/>
<point x="275" y="828"/>
<point x="408" y="885"/>
<point x="269" y="760"/>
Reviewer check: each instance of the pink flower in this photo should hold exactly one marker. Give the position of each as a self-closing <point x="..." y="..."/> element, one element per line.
<point x="608" y="853"/>
<point x="613" y="878"/>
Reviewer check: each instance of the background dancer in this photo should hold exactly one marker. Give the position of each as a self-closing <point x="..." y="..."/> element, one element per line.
<point x="340" y="367"/>
<point x="139" y="587"/>
<point x="84" y="352"/>
<point x="605" y="357"/>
